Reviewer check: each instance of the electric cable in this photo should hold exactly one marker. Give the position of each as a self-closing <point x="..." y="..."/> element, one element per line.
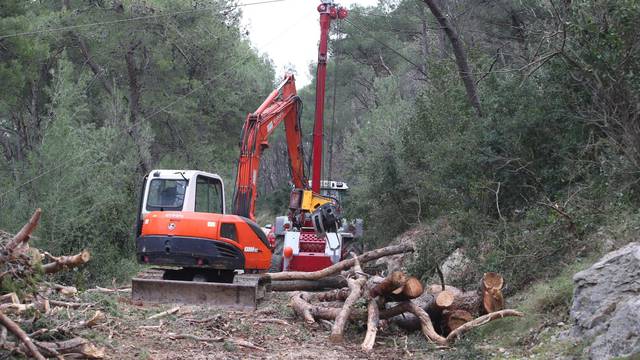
<point x="368" y="33"/>
<point x="137" y="18"/>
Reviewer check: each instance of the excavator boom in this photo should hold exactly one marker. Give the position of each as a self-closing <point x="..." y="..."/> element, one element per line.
<point x="283" y="104"/>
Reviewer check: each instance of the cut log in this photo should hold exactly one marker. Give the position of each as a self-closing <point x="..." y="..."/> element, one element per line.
<point x="373" y="321"/>
<point x="66" y="262"/>
<point x="432" y="304"/>
<point x="10" y="298"/>
<point x="395" y="280"/>
<point x="412" y="288"/>
<point x="491" y="289"/>
<point x="355" y="287"/>
<point x="470" y="301"/>
<point x="332" y="295"/>
<point x="492" y="280"/>
<point x="453" y="319"/>
<point x="22" y="237"/>
<point x="443" y="300"/>
<point x="340" y="266"/>
<point x="332" y="282"/>
<point x="21" y="335"/>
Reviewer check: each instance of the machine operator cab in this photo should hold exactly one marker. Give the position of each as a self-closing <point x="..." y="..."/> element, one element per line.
<point x="169" y="190"/>
<point x="333" y="189"/>
<point x="182" y="221"/>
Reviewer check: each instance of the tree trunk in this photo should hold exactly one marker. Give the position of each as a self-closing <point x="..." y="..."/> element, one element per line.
<point x="333" y="282"/>
<point x="97" y="70"/>
<point x="460" y="55"/>
<point x="135" y="110"/>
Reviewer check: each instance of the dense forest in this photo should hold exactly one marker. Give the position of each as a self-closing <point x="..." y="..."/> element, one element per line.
<point x="525" y="153"/>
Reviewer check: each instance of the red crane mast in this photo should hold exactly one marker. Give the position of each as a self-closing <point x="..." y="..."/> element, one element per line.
<point x="328" y="11"/>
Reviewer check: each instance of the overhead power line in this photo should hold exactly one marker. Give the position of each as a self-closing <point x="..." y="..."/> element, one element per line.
<point x="371" y="36"/>
<point x="137" y="18"/>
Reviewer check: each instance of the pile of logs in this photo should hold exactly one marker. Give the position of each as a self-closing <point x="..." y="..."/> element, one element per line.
<point x="443" y="313"/>
<point x="23" y="267"/>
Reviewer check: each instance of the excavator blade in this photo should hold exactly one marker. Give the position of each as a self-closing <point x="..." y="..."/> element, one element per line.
<point x="243" y="294"/>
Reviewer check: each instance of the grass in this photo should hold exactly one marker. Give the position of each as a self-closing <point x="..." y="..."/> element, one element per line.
<point x="546" y="306"/>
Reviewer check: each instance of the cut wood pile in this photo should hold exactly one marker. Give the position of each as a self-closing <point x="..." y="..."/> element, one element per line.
<point x="27" y="297"/>
<point x="442" y="313"/>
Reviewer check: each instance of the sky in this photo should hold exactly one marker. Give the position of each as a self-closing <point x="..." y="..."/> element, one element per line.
<point x="288" y="32"/>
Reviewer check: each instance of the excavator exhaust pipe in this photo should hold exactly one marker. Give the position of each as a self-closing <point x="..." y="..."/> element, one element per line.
<point x="244" y="294"/>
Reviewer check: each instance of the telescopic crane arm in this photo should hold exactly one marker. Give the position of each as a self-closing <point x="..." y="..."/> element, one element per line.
<point x="283" y="104"/>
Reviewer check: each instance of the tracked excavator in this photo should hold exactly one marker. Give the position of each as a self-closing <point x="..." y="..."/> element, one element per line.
<point x="205" y="255"/>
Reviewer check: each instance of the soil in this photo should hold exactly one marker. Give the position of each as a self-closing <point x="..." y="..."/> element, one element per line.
<point x="272" y="329"/>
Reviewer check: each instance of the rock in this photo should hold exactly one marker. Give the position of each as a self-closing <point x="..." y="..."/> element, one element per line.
<point x="622" y="338"/>
<point x="455" y="267"/>
<point x="398" y="262"/>
<point x="606" y="304"/>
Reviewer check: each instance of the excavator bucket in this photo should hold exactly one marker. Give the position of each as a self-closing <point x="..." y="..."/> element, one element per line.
<point x="245" y="293"/>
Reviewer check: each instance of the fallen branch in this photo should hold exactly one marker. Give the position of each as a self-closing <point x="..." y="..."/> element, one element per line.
<point x="41" y="306"/>
<point x="164" y="313"/>
<point x="239" y="342"/>
<point x="66" y="262"/>
<point x="355" y="288"/>
<point x="275" y="321"/>
<point x="107" y="290"/>
<point x="73" y="347"/>
<point x="340" y="266"/>
<point x="22" y="237"/>
<point x="72" y="305"/>
<point x="372" y="325"/>
<point x="21" y="335"/>
<point x="481" y="321"/>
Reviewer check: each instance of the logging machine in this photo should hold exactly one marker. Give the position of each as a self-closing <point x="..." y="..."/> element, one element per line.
<point x="183" y="223"/>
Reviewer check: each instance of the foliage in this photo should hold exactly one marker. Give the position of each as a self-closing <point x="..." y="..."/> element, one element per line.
<point x="87" y="111"/>
<point x="526" y="184"/>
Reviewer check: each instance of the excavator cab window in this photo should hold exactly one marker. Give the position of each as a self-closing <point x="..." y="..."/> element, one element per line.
<point x="208" y="195"/>
<point x="166" y="195"/>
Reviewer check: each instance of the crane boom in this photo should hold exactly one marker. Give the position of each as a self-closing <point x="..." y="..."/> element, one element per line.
<point x="328" y="11"/>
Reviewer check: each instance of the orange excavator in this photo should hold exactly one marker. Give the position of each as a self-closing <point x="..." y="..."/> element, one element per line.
<point x="183" y="225"/>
